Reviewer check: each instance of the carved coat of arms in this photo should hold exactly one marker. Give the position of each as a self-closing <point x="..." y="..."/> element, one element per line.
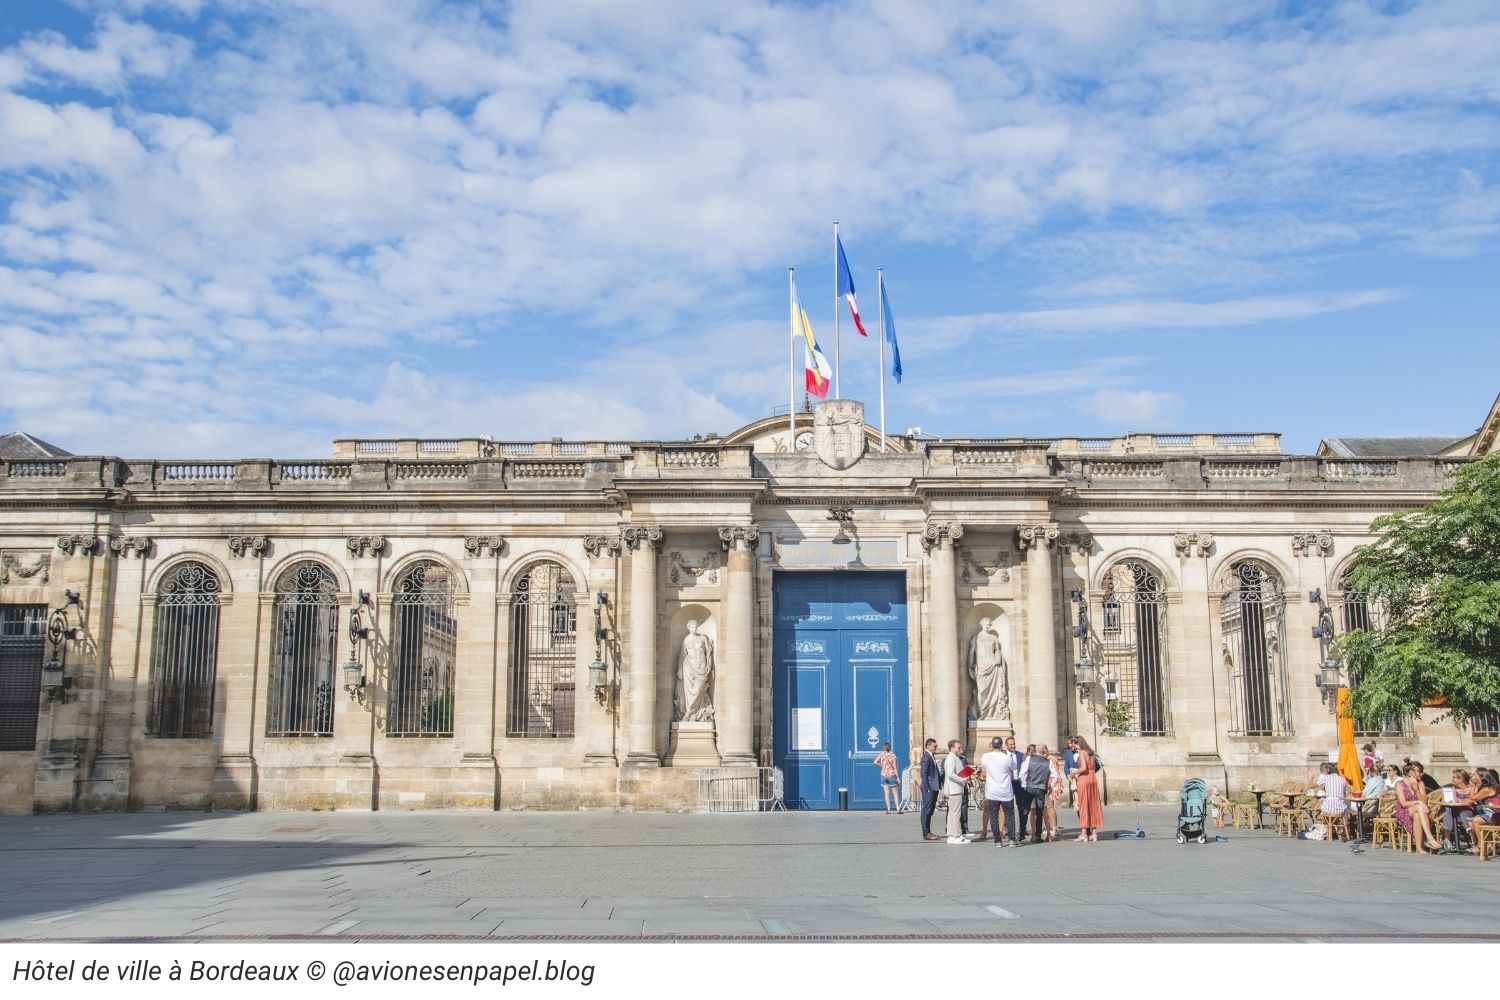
<point x="839" y="432"/>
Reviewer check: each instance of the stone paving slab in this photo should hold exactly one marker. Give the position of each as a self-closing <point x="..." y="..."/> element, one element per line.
<point x="757" y="876"/>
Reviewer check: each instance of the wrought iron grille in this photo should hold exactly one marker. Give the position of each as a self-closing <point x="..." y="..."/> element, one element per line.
<point x="424" y="654"/>
<point x="306" y="620"/>
<point x="543" y="662"/>
<point x="1132" y="645"/>
<point x="1357" y="615"/>
<point x="1252" y="619"/>
<point x="185" y="653"/>
<point x="23" y="645"/>
<point x="1485" y="724"/>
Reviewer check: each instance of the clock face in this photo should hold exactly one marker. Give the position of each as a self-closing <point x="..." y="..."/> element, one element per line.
<point x="804" y="440"/>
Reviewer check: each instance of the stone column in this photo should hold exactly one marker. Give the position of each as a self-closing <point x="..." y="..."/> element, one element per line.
<point x="948" y="721"/>
<point x="604" y="553"/>
<point x="644" y="541"/>
<point x="1041" y="631"/>
<point x="734" y="691"/>
<point x="1200" y="699"/>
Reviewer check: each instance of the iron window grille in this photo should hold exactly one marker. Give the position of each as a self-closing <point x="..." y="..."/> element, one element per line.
<point x="23" y="646"/>
<point x="1356" y="613"/>
<point x="543" y="653"/>
<point x="1252" y="620"/>
<point x="185" y="653"/>
<point x="425" y="652"/>
<point x="1132" y="646"/>
<point x="305" y="617"/>
<point x="1486" y="724"/>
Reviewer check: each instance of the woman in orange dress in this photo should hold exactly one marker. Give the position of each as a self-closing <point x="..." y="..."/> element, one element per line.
<point x="1086" y="783"/>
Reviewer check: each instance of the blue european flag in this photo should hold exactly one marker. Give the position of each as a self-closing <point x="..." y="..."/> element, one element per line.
<point x="890" y="334"/>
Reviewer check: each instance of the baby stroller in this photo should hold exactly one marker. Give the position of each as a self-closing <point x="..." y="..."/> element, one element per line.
<point x="1192" y="812"/>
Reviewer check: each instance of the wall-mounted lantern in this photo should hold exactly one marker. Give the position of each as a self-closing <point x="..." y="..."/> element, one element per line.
<point x="599" y="669"/>
<point x="60" y="629"/>
<point x="354" y="669"/>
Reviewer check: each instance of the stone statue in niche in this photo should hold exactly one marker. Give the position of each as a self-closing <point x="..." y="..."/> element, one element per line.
<point x="695" y="675"/>
<point x="987" y="669"/>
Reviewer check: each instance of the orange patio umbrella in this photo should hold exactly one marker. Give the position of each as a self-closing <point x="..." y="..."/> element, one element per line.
<point x="1348" y="764"/>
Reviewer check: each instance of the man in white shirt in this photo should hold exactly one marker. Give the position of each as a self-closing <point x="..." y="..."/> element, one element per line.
<point x="953" y="788"/>
<point x="999" y="792"/>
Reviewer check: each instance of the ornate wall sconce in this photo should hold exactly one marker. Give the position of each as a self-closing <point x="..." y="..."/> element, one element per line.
<point x="599" y="669"/>
<point x="354" y="668"/>
<point x="60" y="629"/>
<point x="1328" y="665"/>
<point x="844" y="516"/>
<point x="1085" y="673"/>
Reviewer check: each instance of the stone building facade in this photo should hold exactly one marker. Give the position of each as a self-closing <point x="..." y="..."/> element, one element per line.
<point x="478" y="624"/>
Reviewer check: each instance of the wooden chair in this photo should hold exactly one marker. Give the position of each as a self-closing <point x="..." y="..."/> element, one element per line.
<point x="1489" y="840"/>
<point x="1243" y="815"/>
<point x="1385" y="828"/>
<point x="1338" y="826"/>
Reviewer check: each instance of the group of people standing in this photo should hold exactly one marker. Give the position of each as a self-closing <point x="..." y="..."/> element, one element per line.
<point x="1020" y="789"/>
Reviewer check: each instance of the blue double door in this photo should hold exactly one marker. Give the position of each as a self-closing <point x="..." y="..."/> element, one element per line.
<point x="839" y="684"/>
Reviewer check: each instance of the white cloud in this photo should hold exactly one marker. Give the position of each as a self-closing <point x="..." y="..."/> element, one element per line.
<point x="1133" y="409"/>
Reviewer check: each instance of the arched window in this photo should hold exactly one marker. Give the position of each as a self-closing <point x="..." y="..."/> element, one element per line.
<point x="543" y="643"/>
<point x="184" y="653"/>
<point x="1356" y="613"/>
<point x="423" y="655"/>
<point x="1132" y="647"/>
<point x="1252" y="619"/>
<point x="305" y="624"/>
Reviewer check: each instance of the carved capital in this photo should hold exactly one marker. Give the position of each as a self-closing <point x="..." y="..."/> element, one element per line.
<point x="1312" y="543"/>
<point x="941" y="534"/>
<point x="1076" y="541"/>
<point x="86" y="544"/>
<point x="1193" y="543"/>
<point x="124" y="546"/>
<point x="14" y="567"/>
<point x="602" y="546"/>
<point x="360" y="545"/>
<point x="248" y="545"/>
<point x="740" y="536"/>
<point x="478" y="545"/>
<point x="1031" y="536"/>
<point x="642" y="536"/>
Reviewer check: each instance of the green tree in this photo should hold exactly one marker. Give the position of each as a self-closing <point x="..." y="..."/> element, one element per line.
<point x="1433" y="583"/>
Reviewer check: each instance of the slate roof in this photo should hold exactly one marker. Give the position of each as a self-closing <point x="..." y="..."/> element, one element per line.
<point x="19" y="444"/>
<point x="1395" y="447"/>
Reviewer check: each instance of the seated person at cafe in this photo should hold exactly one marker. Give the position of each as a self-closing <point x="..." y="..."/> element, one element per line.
<point x="1461" y="789"/>
<point x="1335" y="790"/>
<point x="1485" y="797"/>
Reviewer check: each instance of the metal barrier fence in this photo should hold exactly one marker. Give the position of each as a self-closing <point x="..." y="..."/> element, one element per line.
<point x="737" y="789"/>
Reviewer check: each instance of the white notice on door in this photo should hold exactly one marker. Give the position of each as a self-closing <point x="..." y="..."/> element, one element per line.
<point x="807" y="729"/>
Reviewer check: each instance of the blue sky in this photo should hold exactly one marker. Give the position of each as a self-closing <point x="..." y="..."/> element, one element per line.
<point x="246" y="228"/>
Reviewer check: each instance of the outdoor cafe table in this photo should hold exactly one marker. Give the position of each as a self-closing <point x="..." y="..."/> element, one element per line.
<point x="1358" y="804"/>
<point x="1458" y="828"/>
<point x="1260" y="807"/>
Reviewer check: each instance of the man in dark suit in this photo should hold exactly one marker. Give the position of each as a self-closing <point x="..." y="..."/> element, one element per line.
<point x="1023" y="798"/>
<point x="932" y="781"/>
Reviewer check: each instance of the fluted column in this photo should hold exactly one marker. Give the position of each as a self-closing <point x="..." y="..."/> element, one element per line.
<point x="939" y="538"/>
<point x="644" y="541"/>
<point x="1037" y="541"/>
<point x="734" y="694"/>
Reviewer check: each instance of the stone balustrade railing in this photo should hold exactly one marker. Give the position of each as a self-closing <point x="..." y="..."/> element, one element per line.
<point x="598" y="471"/>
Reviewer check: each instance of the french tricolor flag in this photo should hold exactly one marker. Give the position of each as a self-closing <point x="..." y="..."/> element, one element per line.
<point x="846" y="288"/>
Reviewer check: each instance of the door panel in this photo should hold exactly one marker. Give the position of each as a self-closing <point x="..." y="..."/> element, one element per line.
<point x="839" y="684"/>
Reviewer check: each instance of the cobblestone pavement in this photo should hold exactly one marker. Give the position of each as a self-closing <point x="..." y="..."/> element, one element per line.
<point x="513" y="875"/>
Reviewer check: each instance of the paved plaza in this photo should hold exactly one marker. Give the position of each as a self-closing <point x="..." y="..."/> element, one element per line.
<point x="595" y="875"/>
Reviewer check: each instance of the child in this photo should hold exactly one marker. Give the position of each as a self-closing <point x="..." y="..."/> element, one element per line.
<point x="1220" y="805"/>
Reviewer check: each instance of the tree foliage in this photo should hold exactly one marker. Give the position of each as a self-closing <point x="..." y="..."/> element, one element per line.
<point x="1433" y="584"/>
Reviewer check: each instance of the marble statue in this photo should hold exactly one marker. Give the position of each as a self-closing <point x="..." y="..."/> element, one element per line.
<point x="695" y="674"/>
<point x="987" y="669"/>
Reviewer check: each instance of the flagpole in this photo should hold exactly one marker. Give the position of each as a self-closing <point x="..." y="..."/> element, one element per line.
<point x="838" y="392"/>
<point x="791" y="361"/>
<point x="880" y="304"/>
